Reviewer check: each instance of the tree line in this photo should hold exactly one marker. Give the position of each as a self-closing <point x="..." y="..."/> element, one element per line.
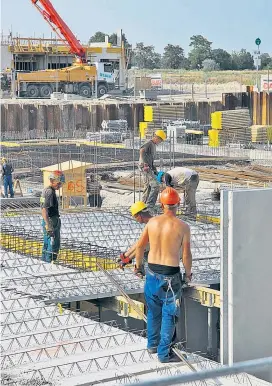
<point x="200" y="56"/>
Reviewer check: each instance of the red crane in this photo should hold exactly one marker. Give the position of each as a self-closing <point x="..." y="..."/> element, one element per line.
<point x="60" y="27"/>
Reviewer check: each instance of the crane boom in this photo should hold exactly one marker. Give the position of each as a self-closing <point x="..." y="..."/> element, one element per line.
<point x="60" y="27"/>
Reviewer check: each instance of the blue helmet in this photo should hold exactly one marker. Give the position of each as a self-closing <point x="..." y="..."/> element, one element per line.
<point x="159" y="176"/>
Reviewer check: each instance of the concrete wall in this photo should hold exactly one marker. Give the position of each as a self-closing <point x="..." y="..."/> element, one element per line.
<point x="248" y="316"/>
<point x="6" y="58"/>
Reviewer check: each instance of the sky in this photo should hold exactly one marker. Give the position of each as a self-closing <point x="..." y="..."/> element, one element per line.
<point x="229" y="24"/>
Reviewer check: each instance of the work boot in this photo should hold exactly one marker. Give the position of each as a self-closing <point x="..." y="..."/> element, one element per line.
<point x="172" y="357"/>
<point x="152" y="350"/>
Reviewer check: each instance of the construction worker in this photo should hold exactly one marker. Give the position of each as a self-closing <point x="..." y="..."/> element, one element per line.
<point x="93" y="189"/>
<point x="51" y="219"/>
<point x="148" y="170"/>
<point x="141" y="214"/>
<point x="167" y="236"/>
<point x="184" y="178"/>
<point x="7" y="170"/>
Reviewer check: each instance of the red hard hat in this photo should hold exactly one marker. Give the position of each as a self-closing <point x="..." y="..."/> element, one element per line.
<point x="170" y="196"/>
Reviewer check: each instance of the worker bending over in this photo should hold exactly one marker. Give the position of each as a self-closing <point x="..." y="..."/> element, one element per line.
<point x="184" y="178"/>
<point x="141" y="214"/>
<point x="148" y="169"/>
<point x="51" y="219"/>
<point x="7" y="170"/>
<point x="169" y="239"/>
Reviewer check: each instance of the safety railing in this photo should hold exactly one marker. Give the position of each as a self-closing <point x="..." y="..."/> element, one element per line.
<point x="237" y="368"/>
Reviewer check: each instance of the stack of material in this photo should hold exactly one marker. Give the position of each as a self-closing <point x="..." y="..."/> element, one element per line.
<point x="232" y="126"/>
<point x="239" y="136"/>
<point x="119" y="126"/>
<point x="164" y="113"/>
<point x="231" y="119"/>
<point x="105" y="137"/>
<point x="261" y="133"/>
<point x="167" y="112"/>
<point x="115" y="125"/>
<point x="251" y="176"/>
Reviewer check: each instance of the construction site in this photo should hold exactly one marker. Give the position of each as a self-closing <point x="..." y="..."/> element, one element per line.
<point x="81" y="319"/>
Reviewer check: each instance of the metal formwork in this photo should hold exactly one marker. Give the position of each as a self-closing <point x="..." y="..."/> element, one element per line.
<point x="113" y="231"/>
<point x="46" y="344"/>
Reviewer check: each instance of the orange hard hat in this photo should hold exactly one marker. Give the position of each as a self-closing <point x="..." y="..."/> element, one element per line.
<point x="169" y="196"/>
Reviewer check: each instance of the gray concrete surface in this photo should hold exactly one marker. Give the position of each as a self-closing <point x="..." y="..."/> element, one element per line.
<point x="249" y="276"/>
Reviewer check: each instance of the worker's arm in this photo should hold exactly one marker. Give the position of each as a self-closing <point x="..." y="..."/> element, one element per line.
<point x="131" y="252"/>
<point x="46" y="217"/>
<point x="168" y="180"/>
<point x="46" y="203"/>
<point x="186" y="252"/>
<point x="140" y="247"/>
<point x="143" y="150"/>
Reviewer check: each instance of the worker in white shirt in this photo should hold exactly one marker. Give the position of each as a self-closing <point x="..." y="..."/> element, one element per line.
<point x="184" y="178"/>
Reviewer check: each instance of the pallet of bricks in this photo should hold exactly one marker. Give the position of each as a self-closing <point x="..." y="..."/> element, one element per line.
<point x="230" y="127"/>
<point x="154" y="116"/>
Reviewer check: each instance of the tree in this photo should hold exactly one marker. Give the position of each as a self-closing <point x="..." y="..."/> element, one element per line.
<point x="201" y="50"/>
<point x="146" y="57"/>
<point x="223" y="58"/>
<point x="173" y="57"/>
<point x="266" y="61"/>
<point x="113" y="40"/>
<point x="242" y="60"/>
<point x="210" y="65"/>
<point x="99" y="37"/>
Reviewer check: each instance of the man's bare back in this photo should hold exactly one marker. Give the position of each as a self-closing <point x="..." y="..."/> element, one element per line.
<point x="169" y="239"/>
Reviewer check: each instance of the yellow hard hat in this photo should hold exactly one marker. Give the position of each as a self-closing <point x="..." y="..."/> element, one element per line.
<point x="4" y="159"/>
<point x="137" y="207"/>
<point x="161" y="134"/>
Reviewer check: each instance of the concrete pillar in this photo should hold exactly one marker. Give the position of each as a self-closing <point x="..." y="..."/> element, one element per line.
<point x="248" y="276"/>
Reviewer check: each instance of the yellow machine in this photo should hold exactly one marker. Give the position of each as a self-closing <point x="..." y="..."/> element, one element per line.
<point x="84" y="78"/>
<point x="73" y="80"/>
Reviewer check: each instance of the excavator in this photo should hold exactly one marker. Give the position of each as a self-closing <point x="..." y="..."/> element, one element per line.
<point x="84" y="77"/>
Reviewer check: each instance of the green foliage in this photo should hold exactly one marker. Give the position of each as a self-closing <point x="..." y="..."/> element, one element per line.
<point x="146" y="57"/>
<point x="223" y="58"/>
<point x="99" y="37"/>
<point x="242" y="60"/>
<point x="266" y="61"/>
<point x="210" y="65"/>
<point x="173" y="57"/>
<point x="201" y="50"/>
<point x="200" y="56"/>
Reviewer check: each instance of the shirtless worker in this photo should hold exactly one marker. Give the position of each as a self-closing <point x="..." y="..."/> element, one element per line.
<point x="141" y="214"/>
<point x="148" y="169"/>
<point x="169" y="239"/>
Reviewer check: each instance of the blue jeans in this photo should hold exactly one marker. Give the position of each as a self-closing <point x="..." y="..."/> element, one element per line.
<point x="8" y="186"/>
<point x="51" y="245"/>
<point x="163" y="296"/>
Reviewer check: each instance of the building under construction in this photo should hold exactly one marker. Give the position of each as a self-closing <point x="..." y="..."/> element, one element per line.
<point x="81" y="320"/>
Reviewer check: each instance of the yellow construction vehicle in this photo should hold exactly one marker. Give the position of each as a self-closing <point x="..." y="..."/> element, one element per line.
<point x="86" y="78"/>
<point x="71" y="80"/>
